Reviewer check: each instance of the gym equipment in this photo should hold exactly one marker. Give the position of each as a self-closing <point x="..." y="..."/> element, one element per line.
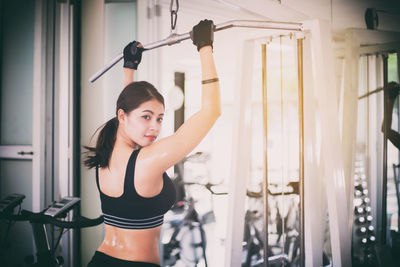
<point x="296" y="241"/>
<point x="364" y="251"/>
<point x="51" y="215"/>
<point x="177" y="38"/>
<point x="63" y="205"/>
<point x="10" y="202"/>
<point x="187" y="242"/>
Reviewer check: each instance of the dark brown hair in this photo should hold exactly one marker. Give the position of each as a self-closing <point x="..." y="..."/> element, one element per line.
<point x="133" y="95"/>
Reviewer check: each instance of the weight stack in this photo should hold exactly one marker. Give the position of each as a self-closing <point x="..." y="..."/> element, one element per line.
<point x="363" y="237"/>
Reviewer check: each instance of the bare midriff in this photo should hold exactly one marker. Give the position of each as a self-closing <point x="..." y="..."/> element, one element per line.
<point x="132" y="244"/>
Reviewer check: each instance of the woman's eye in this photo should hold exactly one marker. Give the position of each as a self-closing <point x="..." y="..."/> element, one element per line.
<point x="160" y="119"/>
<point x="146" y="117"/>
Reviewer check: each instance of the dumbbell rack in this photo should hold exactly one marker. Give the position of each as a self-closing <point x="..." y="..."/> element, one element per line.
<point x="364" y="239"/>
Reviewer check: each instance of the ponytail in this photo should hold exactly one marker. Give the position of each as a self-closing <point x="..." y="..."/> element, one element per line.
<point x="99" y="156"/>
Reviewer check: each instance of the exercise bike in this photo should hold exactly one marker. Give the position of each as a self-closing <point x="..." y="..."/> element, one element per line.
<point x="253" y="240"/>
<point x="187" y="241"/>
<point x="45" y="256"/>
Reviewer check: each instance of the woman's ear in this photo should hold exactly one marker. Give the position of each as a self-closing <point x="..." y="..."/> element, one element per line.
<point x="121" y="115"/>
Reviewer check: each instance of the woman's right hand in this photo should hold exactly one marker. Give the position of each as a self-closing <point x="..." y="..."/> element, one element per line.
<point x="133" y="55"/>
<point x="203" y="34"/>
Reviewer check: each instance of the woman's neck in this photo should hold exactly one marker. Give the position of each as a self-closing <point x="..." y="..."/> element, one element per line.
<point x="123" y="141"/>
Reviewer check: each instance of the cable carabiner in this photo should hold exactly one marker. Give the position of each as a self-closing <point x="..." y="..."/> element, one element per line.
<point x="174" y="14"/>
<point x="174" y="17"/>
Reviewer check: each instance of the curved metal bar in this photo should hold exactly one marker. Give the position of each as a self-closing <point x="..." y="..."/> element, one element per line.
<point x="260" y="24"/>
<point x="177" y="38"/>
<point x="40" y="218"/>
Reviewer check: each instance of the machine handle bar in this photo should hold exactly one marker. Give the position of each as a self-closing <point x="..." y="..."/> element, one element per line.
<point x="208" y="186"/>
<point x="38" y="217"/>
<point x="177" y="38"/>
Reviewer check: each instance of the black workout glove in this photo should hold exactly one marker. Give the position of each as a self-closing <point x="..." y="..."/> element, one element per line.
<point x="203" y="34"/>
<point x="132" y="55"/>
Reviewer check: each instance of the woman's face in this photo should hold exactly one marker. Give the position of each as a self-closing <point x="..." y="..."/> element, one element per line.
<point x="143" y="124"/>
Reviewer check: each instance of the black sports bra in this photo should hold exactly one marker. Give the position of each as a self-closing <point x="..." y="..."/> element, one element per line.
<point x="132" y="211"/>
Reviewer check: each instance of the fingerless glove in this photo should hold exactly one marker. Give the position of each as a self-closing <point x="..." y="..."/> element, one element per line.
<point x="203" y="34"/>
<point x="132" y="55"/>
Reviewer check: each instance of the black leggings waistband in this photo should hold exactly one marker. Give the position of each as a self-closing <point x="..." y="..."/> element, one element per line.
<point x="103" y="260"/>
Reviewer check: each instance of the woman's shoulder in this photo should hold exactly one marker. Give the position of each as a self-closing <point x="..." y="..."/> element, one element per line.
<point x="156" y="156"/>
<point x="119" y="158"/>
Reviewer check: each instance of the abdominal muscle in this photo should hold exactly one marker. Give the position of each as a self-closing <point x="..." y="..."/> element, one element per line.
<point x="131" y="244"/>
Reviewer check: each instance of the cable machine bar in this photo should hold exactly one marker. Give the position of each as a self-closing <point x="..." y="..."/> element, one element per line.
<point x="177" y="38"/>
<point x="301" y="146"/>
<point x="264" y="96"/>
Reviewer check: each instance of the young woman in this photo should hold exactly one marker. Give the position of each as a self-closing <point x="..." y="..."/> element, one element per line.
<point x="130" y="163"/>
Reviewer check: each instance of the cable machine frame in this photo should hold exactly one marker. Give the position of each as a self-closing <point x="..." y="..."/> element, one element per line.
<point x="384" y="55"/>
<point x="300" y="84"/>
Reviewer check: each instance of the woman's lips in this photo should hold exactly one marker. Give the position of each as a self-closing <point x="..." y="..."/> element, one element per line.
<point x="151" y="137"/>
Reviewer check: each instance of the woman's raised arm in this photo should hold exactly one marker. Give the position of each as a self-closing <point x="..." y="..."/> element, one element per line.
<point x="166" y="152"/>
<point x="128" y="76"/>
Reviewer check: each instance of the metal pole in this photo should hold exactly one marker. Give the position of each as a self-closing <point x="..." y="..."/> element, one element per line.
<point x="177" y="38"/>
<point x="301" y="146"/>
<point x="264" y="96"/>
<point x="398" y="125"/>
<point x="384" y="178"/>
